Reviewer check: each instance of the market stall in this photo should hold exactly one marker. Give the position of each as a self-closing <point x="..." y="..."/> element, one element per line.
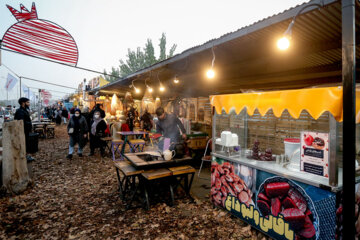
<point x="277" y="160"/>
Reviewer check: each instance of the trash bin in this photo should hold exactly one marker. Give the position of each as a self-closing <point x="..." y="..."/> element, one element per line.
<point x="32" y="144"/>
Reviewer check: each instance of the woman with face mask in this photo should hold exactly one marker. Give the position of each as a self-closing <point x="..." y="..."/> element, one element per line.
<point x="97" y="131"/>
<point x="77" y="130"/>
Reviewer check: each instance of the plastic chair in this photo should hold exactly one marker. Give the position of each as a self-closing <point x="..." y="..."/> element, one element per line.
<point x="205" y="158"/>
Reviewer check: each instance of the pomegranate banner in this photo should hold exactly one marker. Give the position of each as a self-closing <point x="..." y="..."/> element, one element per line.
<point x="281" y="208"/>
<point x="39" y="38"/>
<point x="315" y="153"/>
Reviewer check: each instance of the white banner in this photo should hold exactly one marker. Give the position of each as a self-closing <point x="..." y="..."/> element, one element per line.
<point x="26" y="91"/>
<point x="11" y="82"/>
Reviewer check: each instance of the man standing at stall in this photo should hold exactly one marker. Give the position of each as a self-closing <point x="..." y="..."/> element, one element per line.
<point x="22" y="113"/>
<point x="168" y="125"/>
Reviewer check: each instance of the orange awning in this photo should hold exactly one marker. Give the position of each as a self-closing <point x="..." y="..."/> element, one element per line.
<point x="315" y="101"/>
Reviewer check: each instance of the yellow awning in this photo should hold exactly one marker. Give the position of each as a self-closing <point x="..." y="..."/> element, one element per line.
<point x="315" y="101"/>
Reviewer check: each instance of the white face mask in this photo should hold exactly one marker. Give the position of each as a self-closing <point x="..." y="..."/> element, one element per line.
<point x="77" y="115"/>
<point x="96" y="116"/>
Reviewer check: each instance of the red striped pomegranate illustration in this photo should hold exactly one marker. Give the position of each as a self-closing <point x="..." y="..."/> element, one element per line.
<point x="39" y="38"/>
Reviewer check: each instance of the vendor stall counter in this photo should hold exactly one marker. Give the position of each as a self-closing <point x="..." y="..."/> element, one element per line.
<point x="277" y="160"/>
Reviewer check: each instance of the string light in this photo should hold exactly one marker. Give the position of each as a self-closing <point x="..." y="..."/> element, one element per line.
<point x="161" y="88"/>
<point x="210" y="73"/>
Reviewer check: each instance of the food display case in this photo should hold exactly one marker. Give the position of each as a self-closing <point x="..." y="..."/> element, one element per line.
<point x="277" y="160"/>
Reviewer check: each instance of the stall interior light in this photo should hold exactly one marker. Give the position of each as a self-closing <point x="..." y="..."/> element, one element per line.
<point x="176" y="80"/>
<point x="162" y="88"/>
<point x="210" y="72"/>
<point x="149" y="89"/>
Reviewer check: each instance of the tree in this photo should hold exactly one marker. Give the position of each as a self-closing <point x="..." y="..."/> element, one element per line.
<point x="140" y="58"/>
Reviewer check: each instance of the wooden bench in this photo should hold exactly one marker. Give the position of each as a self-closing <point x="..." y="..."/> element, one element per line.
<point x="127" y="184"/>
<point x="156" y="175"/>
<point x="137" y="145"/>
<point x="181" y="174"/>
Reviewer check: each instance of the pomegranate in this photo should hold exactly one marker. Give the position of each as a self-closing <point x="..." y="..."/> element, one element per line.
<point x="308" y="139"/>
<point x="39" y="38"/>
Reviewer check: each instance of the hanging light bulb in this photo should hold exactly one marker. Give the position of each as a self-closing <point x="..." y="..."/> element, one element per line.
<point x="161" y="88"/>
<point x="137" y="90"/>
<point x="283" y="43"/>
<point x="176" y="80"/>
<point x="210" y="73"/>
<point x="150" y="89"/>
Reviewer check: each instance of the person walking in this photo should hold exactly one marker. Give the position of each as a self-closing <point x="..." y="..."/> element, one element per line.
<point x="58" y="116"/>
<point x="22" y="113"/>
<point x="98" y="127"/>
<point x="77" y="130"/>
<point x="64" y="114"/>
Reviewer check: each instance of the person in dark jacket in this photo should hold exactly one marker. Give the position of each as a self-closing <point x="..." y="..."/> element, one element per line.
<point x="97" y="131"/>
<point x="146" y="121"/>
<point x="64" y="114"/>
<point x="58" y="116"/>
<point x="77" y="130"/>
<point x="22" y="113"/>
<point x="97" y="108"/>
<point x="130" y="118"/>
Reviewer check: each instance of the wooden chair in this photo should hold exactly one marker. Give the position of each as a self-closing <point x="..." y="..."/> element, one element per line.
<point x="150" y="176"/>
<point x="50" y="131"/>
<point x="128" y="186"/>
<point x="107" y="141"/>
<point x="181" y="174"/>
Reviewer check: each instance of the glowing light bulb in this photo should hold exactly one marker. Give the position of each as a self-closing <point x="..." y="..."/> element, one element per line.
<point x="150" y="89"/>
<point x="283" y="43"/>
<point x="137" y="90"/>
<point x="210" y="73"/>
<point x="176" y="80"/>
<point x="162" y="89"/>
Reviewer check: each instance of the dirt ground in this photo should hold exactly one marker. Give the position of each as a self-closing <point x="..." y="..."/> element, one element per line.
<point x="78" y="199"/>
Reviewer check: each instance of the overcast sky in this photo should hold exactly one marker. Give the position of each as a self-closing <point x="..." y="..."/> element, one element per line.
<point x="104" y="30"/>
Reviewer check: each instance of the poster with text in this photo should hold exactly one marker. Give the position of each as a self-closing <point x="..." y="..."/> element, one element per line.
<point x="314" y="153"/>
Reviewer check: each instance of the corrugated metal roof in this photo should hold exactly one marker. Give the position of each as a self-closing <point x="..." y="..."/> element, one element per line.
<point x="248" y="59"/>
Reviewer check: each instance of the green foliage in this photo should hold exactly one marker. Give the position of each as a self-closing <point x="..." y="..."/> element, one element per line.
<point x="140" y="58"/>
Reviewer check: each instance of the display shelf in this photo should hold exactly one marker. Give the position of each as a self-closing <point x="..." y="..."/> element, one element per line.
<point x="280" y="170"/>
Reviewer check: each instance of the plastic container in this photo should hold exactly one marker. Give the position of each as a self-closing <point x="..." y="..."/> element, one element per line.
<point x="292" y="152"/>
<point x="226" y="138"/>
<point x="33" y="143"/>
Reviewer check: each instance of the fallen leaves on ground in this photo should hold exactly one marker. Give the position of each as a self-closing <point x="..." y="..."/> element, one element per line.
<point x="78" y="199"/>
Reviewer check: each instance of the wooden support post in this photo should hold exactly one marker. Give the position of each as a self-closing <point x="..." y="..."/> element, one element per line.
<point x="14" y="170"/>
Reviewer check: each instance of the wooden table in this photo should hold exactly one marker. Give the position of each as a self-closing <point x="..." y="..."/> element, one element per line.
<point x="129" y="133"/>
<point x="140" y="163"/>
<point x="158" y="170"/>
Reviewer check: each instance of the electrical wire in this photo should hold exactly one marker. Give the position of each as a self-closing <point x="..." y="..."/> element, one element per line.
<point x="58" y="85"/>
<point x="2" y="64"/>
<point x="81" y="68"/>
<point x="213" y="60"/>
